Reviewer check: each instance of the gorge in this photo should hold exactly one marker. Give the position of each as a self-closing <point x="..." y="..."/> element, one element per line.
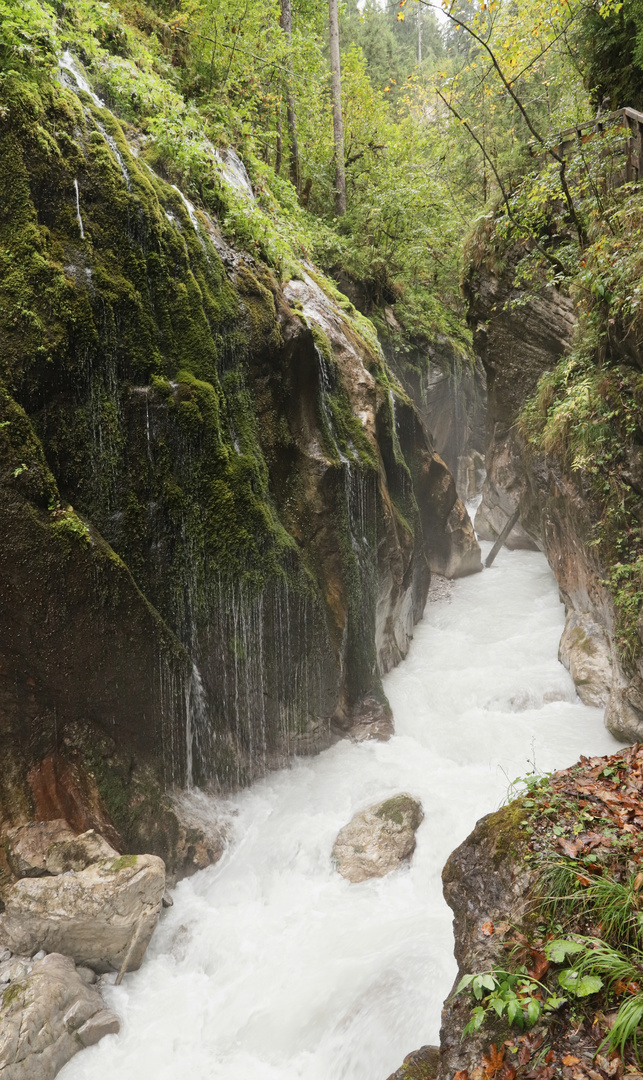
<point x="255" y="444"/>
<point x="269" y="962"/>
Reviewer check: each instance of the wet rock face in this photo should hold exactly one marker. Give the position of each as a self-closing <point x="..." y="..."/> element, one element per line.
<point x="48" y="1016"/>
<point x="378" y="840"/>
<point x="422" y="1064"/>
<point x="100" y="916"/>
<point x="517" y="345"/>
<point x="219" y="511"/>
<point x="485" y="883"/>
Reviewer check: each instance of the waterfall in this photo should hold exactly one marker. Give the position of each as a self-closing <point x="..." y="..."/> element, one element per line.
<point x="115" y="151"/>
<point x="80" y="220"/>
<point x="196" y="720"/>
<point x="69" y="65"/>
<point x="234" y="171"/>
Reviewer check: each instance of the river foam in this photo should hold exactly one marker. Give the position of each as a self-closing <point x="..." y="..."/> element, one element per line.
<point x="272" y="966"/>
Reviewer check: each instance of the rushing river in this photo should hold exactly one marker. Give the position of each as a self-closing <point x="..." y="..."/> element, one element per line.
<point x="270" y="966"/>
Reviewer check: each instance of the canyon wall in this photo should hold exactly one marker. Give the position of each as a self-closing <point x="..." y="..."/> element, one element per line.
<point x="519" y="336"/>
<point x="220" y="507"/>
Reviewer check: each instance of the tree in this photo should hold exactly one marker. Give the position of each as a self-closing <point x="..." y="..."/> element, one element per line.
<point x="338" y="125"/>
<point x="295" y="173"/>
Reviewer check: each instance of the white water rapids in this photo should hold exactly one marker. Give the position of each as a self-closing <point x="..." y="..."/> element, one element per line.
<point x="270" y="966"/>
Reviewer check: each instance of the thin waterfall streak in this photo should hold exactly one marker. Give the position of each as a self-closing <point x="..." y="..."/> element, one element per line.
<point x="78" y="217"/>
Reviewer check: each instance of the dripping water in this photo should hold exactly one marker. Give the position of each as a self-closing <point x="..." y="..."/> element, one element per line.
<point x="80" y="220"/>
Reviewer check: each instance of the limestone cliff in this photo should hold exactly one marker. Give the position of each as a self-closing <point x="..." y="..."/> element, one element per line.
<point x="519" y="336"/>
<point x="220" y="507"/>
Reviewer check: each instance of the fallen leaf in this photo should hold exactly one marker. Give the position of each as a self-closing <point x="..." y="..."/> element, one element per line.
<point x="569" y="847"/>
<point x="570" y="1059"/>
<point x="539" y="964"/>
<point x="487" y="928"/>
<point x="524" y="1054"/>
<point x="608" y="1065"/>
<point x="492" y="1062"/>
<point x="462" y="1074"/>
<point x="508" y="1071"/>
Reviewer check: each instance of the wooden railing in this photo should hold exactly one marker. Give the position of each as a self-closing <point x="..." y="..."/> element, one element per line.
<point x="629" y="119"/>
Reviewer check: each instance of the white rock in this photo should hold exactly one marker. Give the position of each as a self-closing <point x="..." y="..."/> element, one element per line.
<point x="378" y="839"/>
<point x="47" y="1018"/>
<point x="96" y="916"/>
<point x="27" y="845"/>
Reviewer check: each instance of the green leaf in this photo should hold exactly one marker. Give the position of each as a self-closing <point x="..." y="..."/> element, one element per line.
<point x="557" y="950"/>
<point x="513" y="1011"/>
<point x="477" y="1018"/>
<point x="533" y="1011"/>
<point x="579" y="985"/>
<point x="465" y="981"/>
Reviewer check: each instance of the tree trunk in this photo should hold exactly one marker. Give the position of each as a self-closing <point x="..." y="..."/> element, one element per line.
<point x="419" y="36"/>
<point x="338" y="126"/>
<point x="295" y="174"/>
<point x="279" y="154"/>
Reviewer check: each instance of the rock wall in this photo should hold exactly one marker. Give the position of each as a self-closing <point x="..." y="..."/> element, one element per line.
<point x="221" y="507"/>
<point x="518" y="338"/>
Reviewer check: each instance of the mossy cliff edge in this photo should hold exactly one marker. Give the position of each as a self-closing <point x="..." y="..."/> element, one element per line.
<point x="563" y="445"/>
<point x="219" y="508"/>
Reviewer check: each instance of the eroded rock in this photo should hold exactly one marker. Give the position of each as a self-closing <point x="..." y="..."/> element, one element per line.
<point x="97" y="916"/>
<point x="27" y="845"/>
<point x="54" y="847"/>
<point x="79" y="853"/>
<point x="47" y="1017"/>
<point x="585" y="652"/>
<point x="379" y="839"/>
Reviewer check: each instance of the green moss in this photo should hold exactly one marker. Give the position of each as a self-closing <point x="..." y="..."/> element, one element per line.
<point x="396" y="808"/>
<point x="124" y="862"/>
<point x="506" y="829"/>
<point x="12" y="993"/>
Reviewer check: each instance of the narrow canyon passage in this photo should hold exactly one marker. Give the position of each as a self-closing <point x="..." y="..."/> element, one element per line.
<point x="271" y="966"/>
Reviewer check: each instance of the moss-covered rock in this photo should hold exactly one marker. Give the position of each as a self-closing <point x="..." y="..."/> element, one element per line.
<point x="216" y="525"/>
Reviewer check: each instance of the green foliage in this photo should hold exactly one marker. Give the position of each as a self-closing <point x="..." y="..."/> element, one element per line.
<point x="610" y="43"/>
<point x="515" y="995"/>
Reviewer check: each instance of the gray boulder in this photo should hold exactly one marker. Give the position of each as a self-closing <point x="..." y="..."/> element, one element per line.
<point x="585" y="651"/>
<point x="78" y="853"/>
<point x="378" y="839"/>
<point x="101" y="916"/>
<point x="47" y="1017"/>
<point x="53" y="847"/>
<point x="27" y="845"/>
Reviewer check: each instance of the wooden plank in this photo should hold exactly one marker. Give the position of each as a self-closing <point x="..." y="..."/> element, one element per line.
<point x="502" y="538"/>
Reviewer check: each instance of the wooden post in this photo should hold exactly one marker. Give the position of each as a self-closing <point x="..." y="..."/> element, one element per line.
<point x="501" y="539"/>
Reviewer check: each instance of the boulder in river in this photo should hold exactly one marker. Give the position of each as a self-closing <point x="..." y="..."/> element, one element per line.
<point x="48" y="1016"/>
<point x="99" y="916"/>
<point x="378" y="839"/>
